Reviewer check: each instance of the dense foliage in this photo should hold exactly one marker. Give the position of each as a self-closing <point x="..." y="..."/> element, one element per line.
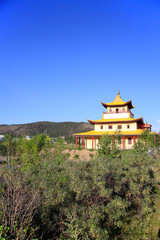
<point x="46" y="196"/>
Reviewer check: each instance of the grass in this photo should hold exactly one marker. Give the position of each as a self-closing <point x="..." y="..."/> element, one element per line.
<point x="76" y="156"/>
<point x="92" y="149"/>
<point x="67" y="155"/>
<point x="91" y="155"/>
<point x="69" y="146"/>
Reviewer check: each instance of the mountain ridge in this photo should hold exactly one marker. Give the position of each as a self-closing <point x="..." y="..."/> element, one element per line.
<point x="53" y="129"/>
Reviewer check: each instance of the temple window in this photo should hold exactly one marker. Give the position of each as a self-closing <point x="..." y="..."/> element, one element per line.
<point x="123" y="109"/>
<point x="119" y="126"/>
<point x="128" y="126"/>
<point x="129" y="140"/>
<point x="110" y="110"/>
<point x="110" y="127"/>
<point x="101" y="126"/>
<point x="116" y="110"/>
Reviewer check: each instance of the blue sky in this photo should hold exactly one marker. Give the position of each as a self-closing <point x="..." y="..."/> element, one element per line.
<point x="60" y="58"/>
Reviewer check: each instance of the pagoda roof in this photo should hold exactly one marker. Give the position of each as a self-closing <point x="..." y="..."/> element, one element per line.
<point x="116" y="120"/>
<point x="124" y="133"/>
<point x="118" y="102"/>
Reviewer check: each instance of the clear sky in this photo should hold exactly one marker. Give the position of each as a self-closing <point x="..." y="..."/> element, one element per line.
<point x="60" y="58"/>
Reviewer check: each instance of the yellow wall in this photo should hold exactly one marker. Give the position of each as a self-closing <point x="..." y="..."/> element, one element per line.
<point x="133" y="126"/>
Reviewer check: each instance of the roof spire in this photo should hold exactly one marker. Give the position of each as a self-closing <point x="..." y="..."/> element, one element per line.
<point x="118" y="93"/>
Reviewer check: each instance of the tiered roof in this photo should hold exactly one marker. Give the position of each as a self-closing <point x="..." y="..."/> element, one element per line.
<point x="118" y="102"/>
<point x="99" y="133"/>
<point x="117" y="120"/>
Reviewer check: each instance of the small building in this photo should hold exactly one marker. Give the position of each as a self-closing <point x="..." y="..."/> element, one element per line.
<point x="117" y="118"/>
<point x="28" y="137"/>
<point x="2" y="137"/>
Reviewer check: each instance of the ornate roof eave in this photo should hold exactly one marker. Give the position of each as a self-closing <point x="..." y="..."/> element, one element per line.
<point x="94" y="133"/>
<point x="140" y="120"/>
<point x="111" y="133"/>
<point x="129" y="103"/>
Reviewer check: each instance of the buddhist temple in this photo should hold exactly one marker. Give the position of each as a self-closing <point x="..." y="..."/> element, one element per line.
<point x="117" y="118"/>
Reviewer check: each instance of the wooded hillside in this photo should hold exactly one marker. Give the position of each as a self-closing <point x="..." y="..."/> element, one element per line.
<point x="53" y="129"/>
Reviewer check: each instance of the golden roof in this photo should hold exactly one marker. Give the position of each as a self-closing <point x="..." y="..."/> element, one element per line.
<point x="118" y="102"/>
<point x="116" y="120"/>
<point x="99" y="133"/>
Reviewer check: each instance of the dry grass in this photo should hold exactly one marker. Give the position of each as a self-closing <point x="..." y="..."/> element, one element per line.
<point x="83" y="154"/>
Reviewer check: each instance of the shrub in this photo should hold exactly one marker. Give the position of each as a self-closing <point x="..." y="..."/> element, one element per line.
<point x="76" y="156"/>
<point x="67" y="155"/>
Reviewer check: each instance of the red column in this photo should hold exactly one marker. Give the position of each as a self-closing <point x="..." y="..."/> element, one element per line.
<point x="92" y="142"/>
<point x="133" y="139"/>
<point x="76" y="141"/>
<point x="123" y="143"/>
<point x="83" y="142"/>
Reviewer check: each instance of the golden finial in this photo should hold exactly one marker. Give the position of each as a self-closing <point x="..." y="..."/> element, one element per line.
<point x="118" y="93"/>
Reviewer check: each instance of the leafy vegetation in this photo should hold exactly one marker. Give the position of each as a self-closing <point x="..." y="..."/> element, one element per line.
<point x="46" y="196"/>
<point x="76" y="156"/>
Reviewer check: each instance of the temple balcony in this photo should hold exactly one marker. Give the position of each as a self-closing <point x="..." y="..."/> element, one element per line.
<point x="119" y="114"/>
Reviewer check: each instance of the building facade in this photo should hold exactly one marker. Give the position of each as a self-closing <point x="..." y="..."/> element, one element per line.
<point x="117" y="118"/>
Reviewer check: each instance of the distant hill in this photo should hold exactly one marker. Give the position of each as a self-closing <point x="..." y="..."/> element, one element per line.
<point x="53" y="129"/>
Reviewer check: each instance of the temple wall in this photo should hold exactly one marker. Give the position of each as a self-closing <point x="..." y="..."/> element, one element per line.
<point x="128" y="146"/>
<point x="133" y="126"/>
<point x="116" y="115"/>
<point x="88" y="143"/>
<point x="120" y="108"/>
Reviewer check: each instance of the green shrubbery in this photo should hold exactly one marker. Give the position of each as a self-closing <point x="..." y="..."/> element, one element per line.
<point x="49" y="197"/>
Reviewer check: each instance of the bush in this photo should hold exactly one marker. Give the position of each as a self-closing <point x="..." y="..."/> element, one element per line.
<point x="109" y="197"/>
<point x="76" y="156"/>
<point x="67" y="155"/>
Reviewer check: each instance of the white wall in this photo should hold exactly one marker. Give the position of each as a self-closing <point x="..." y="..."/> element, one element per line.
<point x="89" y="143"/>
<point x="119" y="108"/>
<point x="133" y="126"/>
<point x="116" y="115"/>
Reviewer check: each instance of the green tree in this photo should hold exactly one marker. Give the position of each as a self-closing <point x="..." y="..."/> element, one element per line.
<point x="19" y="202"/>
<point x="108" y="145"/>
<point x="10" y="144"/>
<point x="150" y="140"/>
<point x="110" y="197"/>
